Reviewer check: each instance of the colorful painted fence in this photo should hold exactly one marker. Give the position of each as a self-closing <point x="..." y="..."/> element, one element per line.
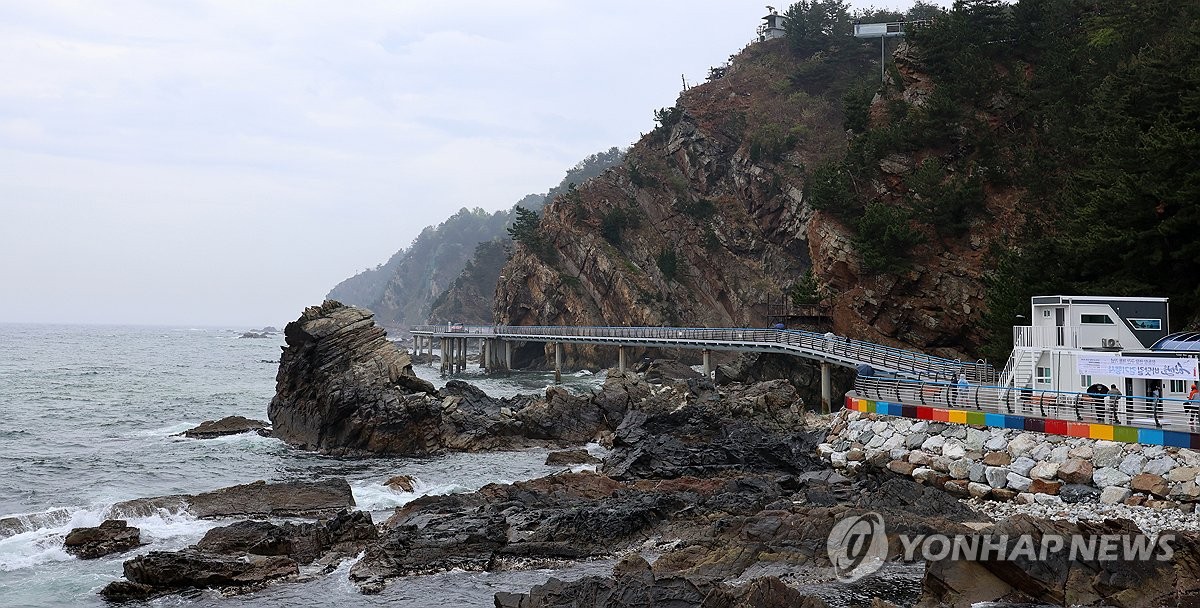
<point x="1127" y="434"/>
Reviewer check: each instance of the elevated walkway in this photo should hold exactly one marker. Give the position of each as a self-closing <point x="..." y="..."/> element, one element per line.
<point x="827" y="349"/>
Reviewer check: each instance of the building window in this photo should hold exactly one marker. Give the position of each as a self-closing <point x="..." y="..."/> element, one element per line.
<point x="1178" y="386"/>
<point x="1046" y="313"/>
<point x="1085" y="381"/>
<point x="1043" y="375"/>
<point x="1095" y="320"/>
<point x="1146" y="324"/>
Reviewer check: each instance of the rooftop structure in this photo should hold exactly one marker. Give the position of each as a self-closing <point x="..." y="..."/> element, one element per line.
<point x="774" y="26"/>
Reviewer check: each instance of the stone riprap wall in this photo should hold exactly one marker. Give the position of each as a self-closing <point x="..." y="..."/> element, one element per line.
<point x="1006" y="464"/>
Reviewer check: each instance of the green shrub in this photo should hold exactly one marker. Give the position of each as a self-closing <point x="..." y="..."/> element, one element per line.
<point x="668" y="264"/>
<point x="617" y="221"/>
<point x="770" y="142"/>
<point x="829" y="188"/>
<point x="700" y="209"/>
<point x="805" y="292"/>
<point x="884" y="237"/>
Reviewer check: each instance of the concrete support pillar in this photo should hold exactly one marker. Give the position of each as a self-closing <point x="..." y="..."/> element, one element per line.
<point x="442" y="357"/>
<point x="557" y="363"/>
<point x="483" y="353"/>
<point x="622" y="358"/>
<point x="826" y="388"/>
<point x="707" y="363"/>
<point x="462" y="354"/>
<point x="507" y="355"/>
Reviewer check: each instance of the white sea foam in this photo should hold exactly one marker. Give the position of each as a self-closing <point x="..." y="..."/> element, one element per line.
<point x="41" y="541"/>
<point x="370" y="496"/>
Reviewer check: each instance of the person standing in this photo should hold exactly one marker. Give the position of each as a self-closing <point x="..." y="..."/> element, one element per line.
<point x="1114" y="401"/>
<point x="1192" y="407"/>
<point x="963" y="388"/>
<point x="1155" y="400"/>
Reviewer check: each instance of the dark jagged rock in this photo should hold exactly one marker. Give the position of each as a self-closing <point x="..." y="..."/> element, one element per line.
<point x="345" y="534"/>
<point x="659" y="370"/>
<point x="403" y="483"/>
<point x="805" y="375"/>
<point x="258" y="499"/>
<point x="162" y="572"/>
<point x="752" y="429"/>
<point x="112" y="536"/>
<point x="1065" y="578"/>
<point x="289" y="499"/>
<point x="229" y="425"/>
<point x="244" y="556"/>
<point x="344" y="389"/>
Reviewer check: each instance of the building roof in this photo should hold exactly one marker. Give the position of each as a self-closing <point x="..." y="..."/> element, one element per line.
<point x="1188" y="341"/>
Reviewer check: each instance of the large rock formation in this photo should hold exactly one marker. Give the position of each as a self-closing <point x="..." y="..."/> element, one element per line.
<point x="343" y="388"/>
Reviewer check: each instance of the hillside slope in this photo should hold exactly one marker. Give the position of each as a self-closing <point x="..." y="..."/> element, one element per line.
<point x="927" y="209"/>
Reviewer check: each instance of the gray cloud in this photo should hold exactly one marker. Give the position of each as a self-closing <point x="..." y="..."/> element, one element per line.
<point x="228" y="162"/>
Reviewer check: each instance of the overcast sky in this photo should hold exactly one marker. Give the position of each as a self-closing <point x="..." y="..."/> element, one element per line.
<point x="226" y="163"/>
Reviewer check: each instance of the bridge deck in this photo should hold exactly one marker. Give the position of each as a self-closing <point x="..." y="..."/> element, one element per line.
<point x="827" y="348"/>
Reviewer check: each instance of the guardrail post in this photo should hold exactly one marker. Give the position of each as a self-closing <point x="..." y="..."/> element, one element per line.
<point x="826" y="388"/>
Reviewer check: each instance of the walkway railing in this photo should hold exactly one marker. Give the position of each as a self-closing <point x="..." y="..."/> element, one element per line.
<point x="823" y="347"/>
<point x="1125" y="410"/>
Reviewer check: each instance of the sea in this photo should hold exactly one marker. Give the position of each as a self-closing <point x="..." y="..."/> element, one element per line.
<point x="92" y="416"/>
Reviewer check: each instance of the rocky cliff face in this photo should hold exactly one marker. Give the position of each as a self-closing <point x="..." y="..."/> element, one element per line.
<point x="344" y="389"/>
<point x="707" y="221"/>
<point x="341" y="386"/>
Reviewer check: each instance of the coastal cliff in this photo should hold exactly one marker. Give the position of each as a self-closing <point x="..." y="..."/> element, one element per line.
<point x="708" y="221"/>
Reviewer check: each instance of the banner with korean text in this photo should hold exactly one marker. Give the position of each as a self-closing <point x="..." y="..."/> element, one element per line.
<point x="1161" y="368"/>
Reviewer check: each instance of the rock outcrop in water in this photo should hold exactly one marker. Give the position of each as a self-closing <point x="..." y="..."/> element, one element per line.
<point x="244" y="556"/>
<point x="344" y="389"/>
<point x="112" y="536"/>
<point x="258" y="499"/>
<point x="229" y="425"/>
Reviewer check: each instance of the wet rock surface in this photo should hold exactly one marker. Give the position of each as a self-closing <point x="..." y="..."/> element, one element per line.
<point x="112" y="536"/>
<point x="243" y="557"/>
<point x="258" y="499"/>
<point x="230" y="425"/>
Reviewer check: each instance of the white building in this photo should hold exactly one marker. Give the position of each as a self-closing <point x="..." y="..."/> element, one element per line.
<point x="1073" y="342"/>
<point x="774" y="26"/>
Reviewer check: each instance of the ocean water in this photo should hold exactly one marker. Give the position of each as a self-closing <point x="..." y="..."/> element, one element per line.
<point x="90" y="418"/>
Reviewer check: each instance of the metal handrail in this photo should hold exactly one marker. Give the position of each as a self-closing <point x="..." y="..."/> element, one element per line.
<point x="1124" y="410"/>
<point x="829" y="347"/>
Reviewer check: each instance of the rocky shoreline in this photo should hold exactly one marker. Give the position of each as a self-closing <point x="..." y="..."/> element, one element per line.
<point x="714" y="496"/>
